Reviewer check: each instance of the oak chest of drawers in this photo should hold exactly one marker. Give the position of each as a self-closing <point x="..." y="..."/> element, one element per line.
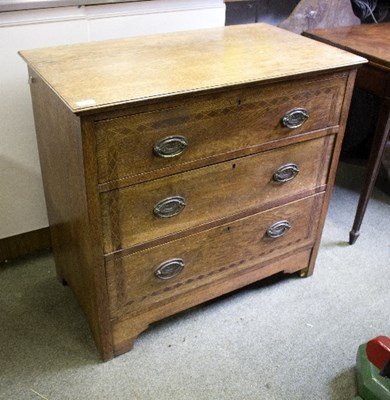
<point x="182" y="166"/>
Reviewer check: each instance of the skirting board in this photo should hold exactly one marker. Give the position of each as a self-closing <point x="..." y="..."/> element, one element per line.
<point x="24" y="244"/>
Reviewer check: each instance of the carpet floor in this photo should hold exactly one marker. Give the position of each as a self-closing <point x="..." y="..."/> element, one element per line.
<point x="283" y="338"/>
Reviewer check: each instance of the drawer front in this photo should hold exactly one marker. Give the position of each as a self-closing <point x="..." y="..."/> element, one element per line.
<point x="212" y="127"/>
<point x="135" y="214"/>
<point x="164" y="272"/>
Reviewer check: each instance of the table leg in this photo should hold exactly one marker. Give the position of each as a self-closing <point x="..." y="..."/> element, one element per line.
<point x="378" y="147"/>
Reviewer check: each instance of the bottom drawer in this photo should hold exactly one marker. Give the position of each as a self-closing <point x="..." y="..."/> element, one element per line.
<point x="160" y="274"/>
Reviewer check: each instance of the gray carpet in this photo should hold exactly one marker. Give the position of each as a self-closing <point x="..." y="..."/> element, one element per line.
<point x="282" y="338"/>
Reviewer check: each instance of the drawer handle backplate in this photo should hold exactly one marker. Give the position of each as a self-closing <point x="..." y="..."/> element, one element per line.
<point x="295" y="118"/>
<point x="278" y="229"/>
<point x="169" y="207"/>
<point x="171" y="146"/>
<point x="169" y="269"/>
<point x="286" y="173"/>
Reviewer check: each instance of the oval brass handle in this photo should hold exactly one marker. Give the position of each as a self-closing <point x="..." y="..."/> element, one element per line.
<point x="295" y="118"/>
<point x="286" y="172"/>
<point x="278" y="229"/>
<point x="169" y="207"/>
<point x="169" y="269"/>
<point x="171" y="146"/>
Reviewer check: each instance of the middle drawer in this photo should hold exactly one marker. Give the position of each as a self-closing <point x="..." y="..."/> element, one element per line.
<point x="144" y="212"/>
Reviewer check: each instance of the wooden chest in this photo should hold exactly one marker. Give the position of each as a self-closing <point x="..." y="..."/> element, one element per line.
<point x="182" y="166"/>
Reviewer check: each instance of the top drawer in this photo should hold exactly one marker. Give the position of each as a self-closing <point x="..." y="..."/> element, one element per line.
<point x="213" y="128"/>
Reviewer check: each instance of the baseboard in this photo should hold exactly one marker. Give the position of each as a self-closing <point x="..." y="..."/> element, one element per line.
<point x="24" y="244"/>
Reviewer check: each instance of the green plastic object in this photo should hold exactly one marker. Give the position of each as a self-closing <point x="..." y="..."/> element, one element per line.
<point x="371" y="385"/>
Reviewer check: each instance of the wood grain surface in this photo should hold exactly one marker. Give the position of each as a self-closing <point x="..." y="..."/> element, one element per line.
<point x="214" y="126"/>
<point x="99" y="74"/>
<point x="212" y="193"/>
<point x="209" y="256"/>
<point x="368" y="40"/>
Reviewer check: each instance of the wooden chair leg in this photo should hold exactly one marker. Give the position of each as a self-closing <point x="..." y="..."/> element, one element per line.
<point x="377" y="150"/>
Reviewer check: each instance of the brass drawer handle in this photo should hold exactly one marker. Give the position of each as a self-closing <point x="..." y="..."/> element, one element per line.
<point x="278" y="229"/>
<point x="171" y="146"/>
<point x="286" y="173"/>
<point x="169" y="207"/>
<point x="295" y="118"/>
<point x="169" y="269"/>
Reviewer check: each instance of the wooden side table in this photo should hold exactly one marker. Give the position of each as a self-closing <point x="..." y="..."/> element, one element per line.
<point x="372" y="42"/>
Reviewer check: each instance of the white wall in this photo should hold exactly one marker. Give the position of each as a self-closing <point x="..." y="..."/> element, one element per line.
<point x="22" y="204"/>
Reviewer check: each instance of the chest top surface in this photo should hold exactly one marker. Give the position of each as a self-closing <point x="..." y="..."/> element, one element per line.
<point x="368" y="40"/>
<point x="100" y="74"/>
